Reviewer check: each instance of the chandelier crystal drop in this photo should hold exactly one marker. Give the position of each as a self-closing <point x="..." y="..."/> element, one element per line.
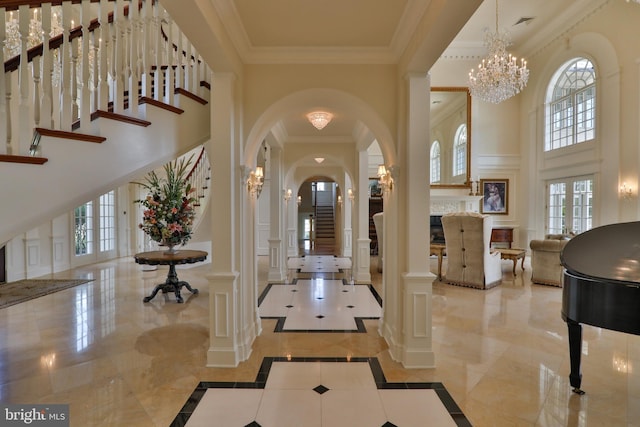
<point x="499" y="76"/>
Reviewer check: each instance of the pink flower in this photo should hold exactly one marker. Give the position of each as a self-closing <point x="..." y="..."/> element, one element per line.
<point x="174" y="210"/>
<point x="173" y="227"/>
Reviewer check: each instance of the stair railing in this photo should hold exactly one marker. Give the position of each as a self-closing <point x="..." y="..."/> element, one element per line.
<point x="116" y="53"/>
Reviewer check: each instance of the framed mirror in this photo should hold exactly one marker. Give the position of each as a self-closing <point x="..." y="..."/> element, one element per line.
<point x="450" y="137"/>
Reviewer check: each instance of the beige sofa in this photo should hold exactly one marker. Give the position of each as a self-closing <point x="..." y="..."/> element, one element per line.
<point x="546" y="268"/>
<point x="469" y="259"/>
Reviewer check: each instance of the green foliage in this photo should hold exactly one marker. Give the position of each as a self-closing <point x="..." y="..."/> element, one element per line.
<point x="169" y="214"/>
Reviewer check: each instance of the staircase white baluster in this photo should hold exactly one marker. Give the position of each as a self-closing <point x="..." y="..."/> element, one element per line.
<point x="74" y="80"/>
<point x="46" y="109"/>
<point x="193" y="83"/>
<point x="198" y="76"/>
<point x="119" y="27"/>
<point x="95" y="76"/>
<point x="24" y="82"/>
<point x="134" y="60"/>
<point x="179" y="62"/>
<point x="8" y="115"/>
<point x="147" y="15"/>
<point x="85" y="97"/>
<point x="187" y="67"/>
<point x="158" y="78"/>
<point x="105" y="43"/>
<point x="171" y="83"/>
<point x="5" y="118"/>
<point x="65" y="75"/>
<point x="35" y="66"/>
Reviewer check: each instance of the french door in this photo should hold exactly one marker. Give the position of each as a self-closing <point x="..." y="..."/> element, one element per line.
<point x="94" y="230"/>
<point x="570" y="205"/>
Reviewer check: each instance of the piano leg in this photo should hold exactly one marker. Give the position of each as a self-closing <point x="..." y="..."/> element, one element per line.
<point x="575" y="352"/>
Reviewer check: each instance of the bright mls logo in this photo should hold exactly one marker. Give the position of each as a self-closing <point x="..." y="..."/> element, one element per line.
<point x="34" y="415"/>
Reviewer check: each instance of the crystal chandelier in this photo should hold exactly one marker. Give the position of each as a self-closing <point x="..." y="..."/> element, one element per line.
<point x="499" y="77"/>
<point x="319" y="119"/>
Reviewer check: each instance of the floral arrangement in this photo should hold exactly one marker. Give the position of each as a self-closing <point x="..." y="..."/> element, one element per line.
<point x="169" y="211"/>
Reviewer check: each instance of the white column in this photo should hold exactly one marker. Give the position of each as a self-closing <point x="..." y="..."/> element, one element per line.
<point x="292" y="224"/>
<point x="347" y="218"/>
<point x="277" y="270"/>
<point x="233" y="321"/>
<point x="362" y="257"/>
<point x="413" y="237"/>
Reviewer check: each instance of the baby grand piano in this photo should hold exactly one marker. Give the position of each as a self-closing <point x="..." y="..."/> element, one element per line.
<point x="601" y="285"/>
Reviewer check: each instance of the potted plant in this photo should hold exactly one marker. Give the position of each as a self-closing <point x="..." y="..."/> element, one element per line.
<point x="169" y="206"/>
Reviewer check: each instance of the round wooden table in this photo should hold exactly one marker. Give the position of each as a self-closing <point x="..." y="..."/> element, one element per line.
<point x="172" y="284"/>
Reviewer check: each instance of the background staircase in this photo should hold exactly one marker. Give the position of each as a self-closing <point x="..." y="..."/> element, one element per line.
<point x="64" y="144"/>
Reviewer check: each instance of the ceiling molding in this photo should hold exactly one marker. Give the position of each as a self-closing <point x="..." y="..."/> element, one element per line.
<point x="561" y="25"/>
<point x="319" y="55"/>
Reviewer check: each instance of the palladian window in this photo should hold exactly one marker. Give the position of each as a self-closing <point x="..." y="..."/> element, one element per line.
<point x="571" y="101"/>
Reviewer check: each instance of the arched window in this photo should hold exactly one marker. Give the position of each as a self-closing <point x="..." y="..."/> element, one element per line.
<point x="571" y="101"/>
<point x="460" y="151"/>
<point x="435" y="162"/>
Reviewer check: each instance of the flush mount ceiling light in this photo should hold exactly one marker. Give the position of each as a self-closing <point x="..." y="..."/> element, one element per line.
<point x="319" y="119"/>
<point x="319" y="159"/>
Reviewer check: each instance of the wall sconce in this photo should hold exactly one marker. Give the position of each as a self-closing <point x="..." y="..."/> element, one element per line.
<point x="625" y="191"/>
<point x="287" y="195"/>
<point x="255" y="181"/>
<point x="351" y="195"/>
<point x="339" y="200"/>
<point x="299" y="200"/>
<point x="384" y="178"/>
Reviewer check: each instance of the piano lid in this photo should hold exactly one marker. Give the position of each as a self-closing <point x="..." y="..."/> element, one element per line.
<point x="610" y="253"/>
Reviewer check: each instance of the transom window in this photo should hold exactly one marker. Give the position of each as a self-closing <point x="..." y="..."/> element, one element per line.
<point x="571" y="104"/>
<point x="435" y="162"/>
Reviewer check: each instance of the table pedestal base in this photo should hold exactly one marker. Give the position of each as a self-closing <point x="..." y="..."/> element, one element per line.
<point x="172" y="284"/>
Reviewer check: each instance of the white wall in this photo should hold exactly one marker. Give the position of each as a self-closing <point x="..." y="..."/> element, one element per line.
<point x="507" y="138"/>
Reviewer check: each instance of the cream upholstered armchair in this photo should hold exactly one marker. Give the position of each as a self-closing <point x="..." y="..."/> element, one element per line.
<point x="546" y="268"/>
<point x="469" y="259"/>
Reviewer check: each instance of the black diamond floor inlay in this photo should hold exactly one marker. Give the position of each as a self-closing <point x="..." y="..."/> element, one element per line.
<point x="320" y="316"/>
<point x="321" y="389"/>
<point x="289" y="306"/>
<point x="350" y="306"/>
<point x="376" y="370"/>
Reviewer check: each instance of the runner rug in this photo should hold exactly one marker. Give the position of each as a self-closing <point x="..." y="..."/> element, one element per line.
<point x="25" y="290"/>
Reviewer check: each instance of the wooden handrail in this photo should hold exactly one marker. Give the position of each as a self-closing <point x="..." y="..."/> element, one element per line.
<point x="12" y="64"/>
<point x="193" y="169"/>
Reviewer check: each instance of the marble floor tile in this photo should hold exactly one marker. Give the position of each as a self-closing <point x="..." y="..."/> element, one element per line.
<point x="502" y="354"/>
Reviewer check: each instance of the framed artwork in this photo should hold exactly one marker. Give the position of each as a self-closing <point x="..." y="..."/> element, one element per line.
<point x="495" y="196"/>
<point x="375" y="191"/>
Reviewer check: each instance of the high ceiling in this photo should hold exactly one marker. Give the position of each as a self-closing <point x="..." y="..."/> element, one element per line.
<point x="366" y="32"/>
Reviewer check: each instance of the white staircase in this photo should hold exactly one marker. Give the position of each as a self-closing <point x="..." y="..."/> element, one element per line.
<point x="62" y="145"/>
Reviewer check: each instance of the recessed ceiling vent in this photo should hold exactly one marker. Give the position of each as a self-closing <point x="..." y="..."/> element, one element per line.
<point x="524" y="20"/>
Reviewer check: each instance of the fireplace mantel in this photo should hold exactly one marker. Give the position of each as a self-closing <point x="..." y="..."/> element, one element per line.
<point x="447" y="203"/>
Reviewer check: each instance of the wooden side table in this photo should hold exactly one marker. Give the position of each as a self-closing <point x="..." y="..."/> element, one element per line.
<point x="502" y="235"/>
<point x="513" y="255"/>
<point x="172" y="284"/>
<point x="439" y="250"/>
